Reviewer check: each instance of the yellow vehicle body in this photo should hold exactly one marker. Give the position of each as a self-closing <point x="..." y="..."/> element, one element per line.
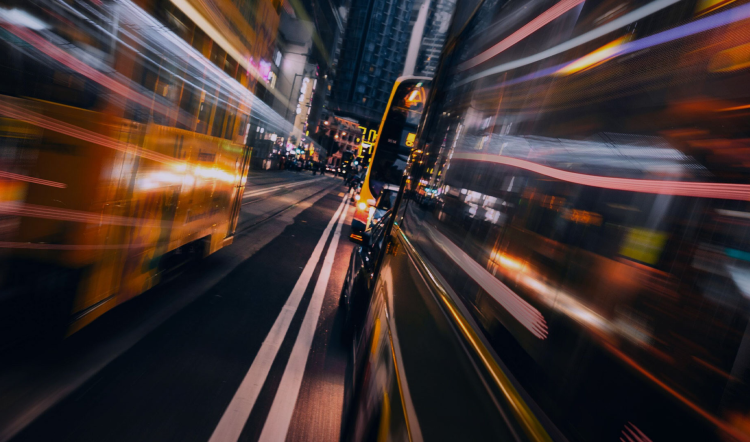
<point x="116" y="197"/>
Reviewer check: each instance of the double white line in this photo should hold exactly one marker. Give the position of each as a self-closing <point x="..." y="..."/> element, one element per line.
<point x="277" y="423"/>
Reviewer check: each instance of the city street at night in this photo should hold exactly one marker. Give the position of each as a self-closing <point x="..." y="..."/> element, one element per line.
<point x="374" y="220"/>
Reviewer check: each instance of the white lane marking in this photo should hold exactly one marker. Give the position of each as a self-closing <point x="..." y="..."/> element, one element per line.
<point x="279" y="187"/>
<point x="277" y="423"/>
<point x="234" y="418"/>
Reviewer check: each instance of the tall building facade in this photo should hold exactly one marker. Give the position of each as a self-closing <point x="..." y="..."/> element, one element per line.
<point x="430" y="23"/>
<point x="436" y="27"/>
<point x="307" y="35"/>
<point x="371" y="58"/>
<point x="329" y="26"/>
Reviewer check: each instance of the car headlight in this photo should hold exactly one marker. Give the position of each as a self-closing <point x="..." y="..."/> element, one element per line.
<point x="362" y="206"/>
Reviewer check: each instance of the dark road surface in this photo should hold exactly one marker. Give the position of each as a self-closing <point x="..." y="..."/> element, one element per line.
<point x="243" y="345"/>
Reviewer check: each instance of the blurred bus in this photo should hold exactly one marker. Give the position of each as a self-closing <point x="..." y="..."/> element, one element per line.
<point x="571" y="257"/>
<point x="392" y="150"/>
<point x="125" y="149"/>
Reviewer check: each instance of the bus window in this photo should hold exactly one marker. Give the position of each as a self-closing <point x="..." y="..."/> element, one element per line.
<point x="231" y="119"/>
<point x="394" y="146"/>
<point x="221" y="111"/>
<point x="204" y="114"/>
<point x="188" y="106"/>
<point x="397" y="133"/>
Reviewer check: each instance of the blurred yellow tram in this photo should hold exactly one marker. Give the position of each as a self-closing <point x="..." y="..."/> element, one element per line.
<point x="125" y="150"/>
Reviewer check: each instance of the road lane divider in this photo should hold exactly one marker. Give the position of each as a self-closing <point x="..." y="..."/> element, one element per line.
<point x="233" y="420"/>
<point x="277" y="423"/>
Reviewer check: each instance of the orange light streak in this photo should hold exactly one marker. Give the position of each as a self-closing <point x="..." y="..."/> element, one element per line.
<point x="728" y="109"/>
<point x="594" y="58"/>
<point x="28" y="179"/>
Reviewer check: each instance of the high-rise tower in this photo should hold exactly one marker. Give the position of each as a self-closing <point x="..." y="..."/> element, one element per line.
<point x="437" y="21"/>
<point x="372" y="57"/>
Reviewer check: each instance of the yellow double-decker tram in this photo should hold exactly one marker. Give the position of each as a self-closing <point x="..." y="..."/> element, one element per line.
<point x="125" y="148"/>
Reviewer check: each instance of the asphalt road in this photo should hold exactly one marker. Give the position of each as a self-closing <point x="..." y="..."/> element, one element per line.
<point x="243" y="346"/>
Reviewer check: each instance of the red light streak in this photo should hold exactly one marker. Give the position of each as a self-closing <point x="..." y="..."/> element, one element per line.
<point x="28" y="179"/>
<point x="68" y="60"/>
<point x="637" y="435"/>
<point x="87" y="71"/>
<point x="739" y="192"/>
<point x="534" y="25"/>
<point x="45" y="122"/>
<point x="40" y="246"/>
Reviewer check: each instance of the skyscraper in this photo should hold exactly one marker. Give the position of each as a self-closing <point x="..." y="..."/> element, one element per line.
<point x="438" y="20"/>
<point x="308" y="34"/>
<point x="372" y="57"/>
